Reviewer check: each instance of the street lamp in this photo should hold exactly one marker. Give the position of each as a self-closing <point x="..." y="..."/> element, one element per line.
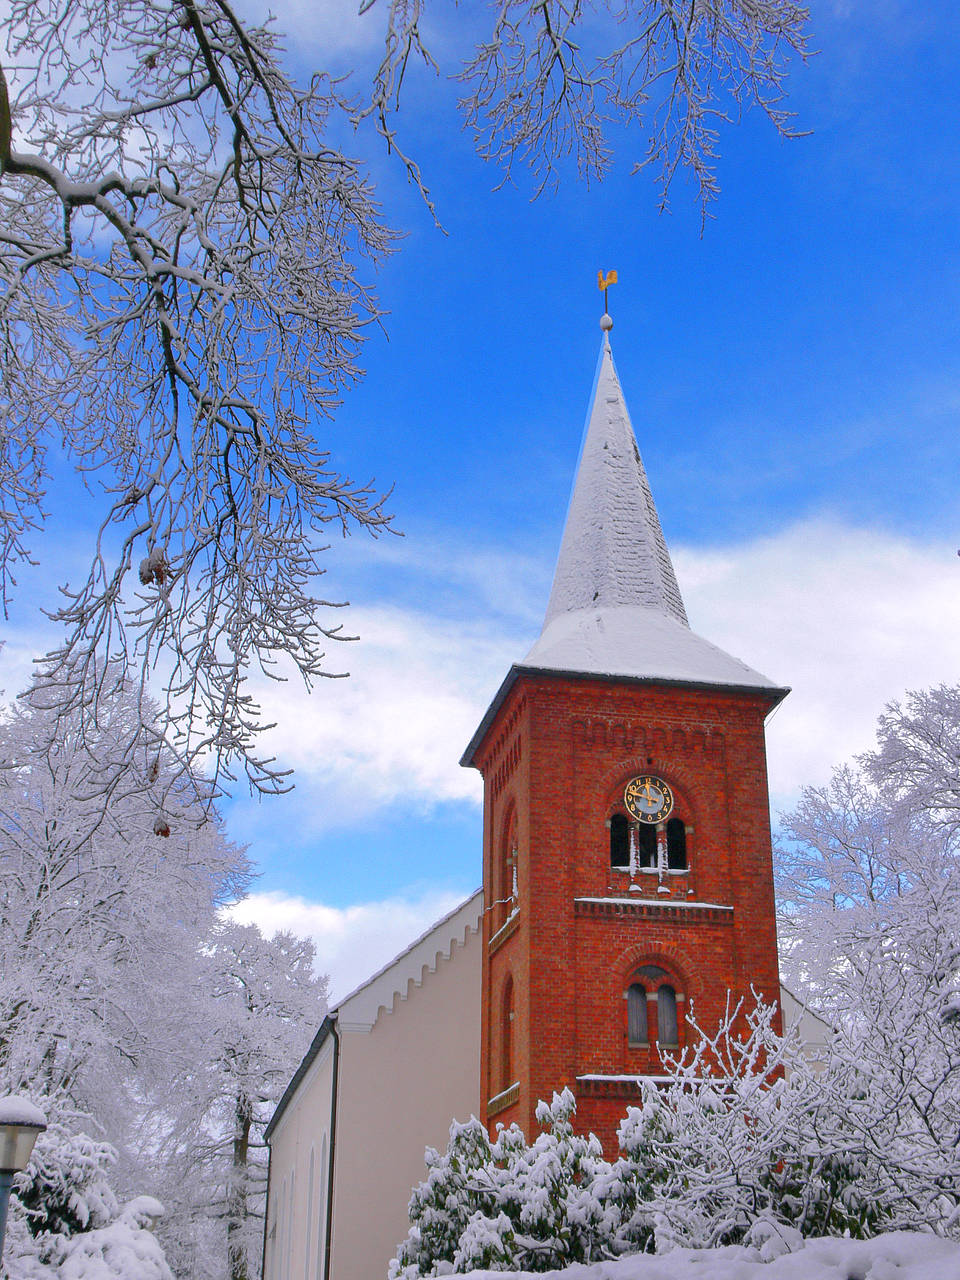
<point x="20" y="1124"/>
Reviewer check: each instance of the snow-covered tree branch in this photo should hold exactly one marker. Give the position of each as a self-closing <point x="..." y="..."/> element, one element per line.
<point x="552" y="76"/>
<point x="179" y="304"/>
<point x="183" y="295"/>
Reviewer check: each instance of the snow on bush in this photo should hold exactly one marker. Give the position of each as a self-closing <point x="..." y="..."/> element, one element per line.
<point x="749" y="1144"/>
<point x="64" y="1188"/>
<point x="66" y="1223"/>
<point x="125" y="1249"/>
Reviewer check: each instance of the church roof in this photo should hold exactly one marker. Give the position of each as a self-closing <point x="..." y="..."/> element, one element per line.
<point x="615" y="610"/>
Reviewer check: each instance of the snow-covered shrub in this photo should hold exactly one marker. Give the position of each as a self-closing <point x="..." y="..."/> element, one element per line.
<point x="124" y="1249"/>
<point x="552" y="1193"/>
<point x="746" y="1132"/>
<point x="509" y="1206"/>
<point x="748" y="1143"/>
<point x="457" y="1186"/>
<point x="64" y="1189"/>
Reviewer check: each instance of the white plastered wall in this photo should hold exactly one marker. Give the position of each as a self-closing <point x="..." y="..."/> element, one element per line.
<point x="299" y="1159"/>
<point x="400" y="1085"/>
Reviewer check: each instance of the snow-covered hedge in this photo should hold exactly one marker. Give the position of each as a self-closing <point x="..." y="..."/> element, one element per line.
<point x="65" y="1221"/>
<point x="124" y="1249"/>
<point x="750" y="1143"/>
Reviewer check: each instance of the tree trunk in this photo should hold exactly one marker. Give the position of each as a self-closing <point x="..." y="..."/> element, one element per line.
<point x="237" y="1192"/>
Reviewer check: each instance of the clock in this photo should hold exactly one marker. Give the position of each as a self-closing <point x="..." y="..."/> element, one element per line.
<point x="648" y="799"/>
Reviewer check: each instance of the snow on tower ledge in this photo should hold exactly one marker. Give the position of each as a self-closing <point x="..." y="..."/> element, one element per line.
<point x="615" y="609"/>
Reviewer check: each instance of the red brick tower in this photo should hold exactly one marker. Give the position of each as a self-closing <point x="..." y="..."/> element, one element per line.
<point x="627" y="864"/>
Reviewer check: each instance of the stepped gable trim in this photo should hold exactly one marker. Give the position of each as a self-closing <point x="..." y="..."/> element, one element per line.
<point x="360" y="1009"/>
<point x="362" y="1006"/>
<point x="772" y="693"/>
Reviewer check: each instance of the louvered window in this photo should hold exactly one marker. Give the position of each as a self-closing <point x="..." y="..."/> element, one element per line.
<point x="636" y="1014"/>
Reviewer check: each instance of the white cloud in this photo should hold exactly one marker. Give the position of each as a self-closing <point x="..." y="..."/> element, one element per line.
<point x="352" y="942"/>
<point x="328" y="29"/>
<point x="849" y="618"/>
<point x="397" y="728"/>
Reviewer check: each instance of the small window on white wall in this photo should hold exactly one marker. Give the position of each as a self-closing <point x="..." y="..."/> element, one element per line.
<point x="280" y="1228"/>
<point x="307" y="1249"/>
<point x="322" y="1210"/>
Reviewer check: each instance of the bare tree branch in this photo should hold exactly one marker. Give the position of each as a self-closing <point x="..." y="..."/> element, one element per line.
<point x="179" y="306"/>
<point x="180" y="303"/>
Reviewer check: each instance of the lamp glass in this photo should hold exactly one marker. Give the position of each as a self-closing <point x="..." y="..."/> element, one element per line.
<point x="16" y="1145"/>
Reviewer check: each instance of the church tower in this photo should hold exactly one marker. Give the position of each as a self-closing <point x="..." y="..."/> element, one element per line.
<point x="627" y="862"/>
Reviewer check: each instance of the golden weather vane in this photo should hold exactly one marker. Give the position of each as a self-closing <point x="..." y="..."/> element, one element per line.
<point x="603" y="283"/>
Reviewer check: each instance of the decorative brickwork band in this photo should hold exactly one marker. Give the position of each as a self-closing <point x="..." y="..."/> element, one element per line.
<point x="683" y="912"/>
<point x="506" y="1098"/>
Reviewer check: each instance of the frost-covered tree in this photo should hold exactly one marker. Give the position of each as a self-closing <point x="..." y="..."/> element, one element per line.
<point x="110" y="875"/>
<point x="185" y="279"/>
<point x="869" y="879"/>
<point x="745" y="1140"/>
<point x="157" y="1035"/>
<point x="266" y="1004"/>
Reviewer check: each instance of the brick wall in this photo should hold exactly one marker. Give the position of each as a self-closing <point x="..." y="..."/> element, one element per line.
<point x="555" y="761"/>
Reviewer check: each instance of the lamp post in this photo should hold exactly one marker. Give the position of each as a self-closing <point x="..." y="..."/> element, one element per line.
<point x="20" y="1124"/>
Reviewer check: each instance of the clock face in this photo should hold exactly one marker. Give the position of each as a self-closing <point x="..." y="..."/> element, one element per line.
<point x="648" y="799"/>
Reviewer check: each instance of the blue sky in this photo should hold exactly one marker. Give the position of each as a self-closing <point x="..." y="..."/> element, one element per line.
<point x="793" y="375"/>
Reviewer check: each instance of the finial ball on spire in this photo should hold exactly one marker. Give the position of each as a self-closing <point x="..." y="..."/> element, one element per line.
<point x="603" y="284"/>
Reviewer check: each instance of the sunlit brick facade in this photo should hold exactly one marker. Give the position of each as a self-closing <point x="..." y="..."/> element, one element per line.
<point x="593" y="951"/>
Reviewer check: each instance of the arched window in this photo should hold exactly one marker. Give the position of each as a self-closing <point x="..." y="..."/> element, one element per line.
<point x="676" y="845"/>
<point x="322" y="1211"/>
<point x="507" y="1018"/>
<point x="646" y="845"/>
<point x="636" y="1014"/>
<point x="307" y="1251"/>
<point x="505" y="886"/>
<point x="667" y="1036"/>
<point x="619" y="842"/>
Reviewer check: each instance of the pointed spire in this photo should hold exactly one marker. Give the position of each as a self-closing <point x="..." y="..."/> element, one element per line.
<point x="613" y="551"/>
<point x="615" y="610"/>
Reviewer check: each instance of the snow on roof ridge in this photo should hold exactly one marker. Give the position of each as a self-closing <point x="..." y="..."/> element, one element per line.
<point x="613" y="551"/>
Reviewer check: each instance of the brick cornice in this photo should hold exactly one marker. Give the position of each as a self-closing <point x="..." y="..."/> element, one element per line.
<point x="646" y="909"/>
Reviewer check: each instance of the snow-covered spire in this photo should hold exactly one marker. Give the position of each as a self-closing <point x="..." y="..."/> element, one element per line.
<point x="615" y="609"/>
<point x="613" y="551"/>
